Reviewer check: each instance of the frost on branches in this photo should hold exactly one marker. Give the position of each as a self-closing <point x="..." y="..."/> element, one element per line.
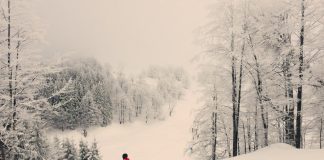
<point x="262" y="61"/>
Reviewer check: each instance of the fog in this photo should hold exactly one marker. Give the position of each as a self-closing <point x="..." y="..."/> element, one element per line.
<point x="128" y="34"/>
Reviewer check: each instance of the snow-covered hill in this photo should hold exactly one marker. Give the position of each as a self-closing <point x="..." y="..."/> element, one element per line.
<point x="282" y="152"/>
<point x="164" y="140"/>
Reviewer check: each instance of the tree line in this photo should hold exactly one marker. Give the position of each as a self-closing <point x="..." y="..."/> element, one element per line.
<point x="66" y="149"/>
<point x="85" y="94"/>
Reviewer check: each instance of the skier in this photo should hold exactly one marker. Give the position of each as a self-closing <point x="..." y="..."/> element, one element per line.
<point x="125" y="156"/>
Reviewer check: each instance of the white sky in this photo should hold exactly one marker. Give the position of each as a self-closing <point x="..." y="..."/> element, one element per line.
<point x="129" y="33"/>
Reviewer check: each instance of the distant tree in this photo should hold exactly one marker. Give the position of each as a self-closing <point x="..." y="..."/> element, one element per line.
<point x="103" y="101"/>
<point x="88" y="112"/>
<point x="83" y="151"/>
<point x="94" y="152"/>
<point x="69" y="150"/>
<point x="38" y="143"/>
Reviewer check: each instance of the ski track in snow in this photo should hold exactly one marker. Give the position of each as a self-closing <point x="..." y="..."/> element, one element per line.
<point x="163" y="140"/>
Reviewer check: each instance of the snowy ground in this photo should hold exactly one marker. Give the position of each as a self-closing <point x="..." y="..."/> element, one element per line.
<point x="282" y="152"/>
<point x="165" y="140"/>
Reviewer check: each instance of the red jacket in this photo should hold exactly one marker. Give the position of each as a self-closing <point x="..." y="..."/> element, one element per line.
<point x="126" y="159"/>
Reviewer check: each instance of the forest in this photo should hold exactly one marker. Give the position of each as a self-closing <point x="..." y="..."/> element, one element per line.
<point x="69" y="93"/>
<point x="259" y="76"/>
<point x="262" y="77"/>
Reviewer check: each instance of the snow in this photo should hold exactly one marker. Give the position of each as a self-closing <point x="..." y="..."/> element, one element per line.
<point x="167" y="140"/>
<point x="282" y="152"/>
<point x="164" y="140"/>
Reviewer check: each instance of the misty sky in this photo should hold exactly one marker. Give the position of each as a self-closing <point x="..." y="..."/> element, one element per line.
<point x="129" y="33"/>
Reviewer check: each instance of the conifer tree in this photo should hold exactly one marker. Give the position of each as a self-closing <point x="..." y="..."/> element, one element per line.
<point x="94" y="152"/>
<point x="69" y="150"/>
<point x="83" y="151"/>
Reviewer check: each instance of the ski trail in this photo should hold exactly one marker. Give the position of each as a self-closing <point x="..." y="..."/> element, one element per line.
<point x="164" y="140"/>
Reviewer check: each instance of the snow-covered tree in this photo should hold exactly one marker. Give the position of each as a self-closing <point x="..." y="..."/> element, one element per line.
<point x="84" y="151"/>
<point x="103" y="101"/>
<point x="94" y="152"/>
<point x="262" y="47"/>
<point x="88" y="112"/>
<point x="69" y="150"/>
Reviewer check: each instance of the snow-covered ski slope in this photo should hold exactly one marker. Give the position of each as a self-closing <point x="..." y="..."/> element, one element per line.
<point x="282" y="152"/>
<point x="167" y="140"/>
<point x="164" y="140"/>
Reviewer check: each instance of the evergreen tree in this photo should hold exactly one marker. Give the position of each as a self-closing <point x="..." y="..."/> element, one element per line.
<point x="37" y="143"/>
<point x="103" y="101"/>
<point x="83" y="151"/>
<point x="69" y="150"/>
<point x="88" y="112"/>
<point x="94" y="152"/>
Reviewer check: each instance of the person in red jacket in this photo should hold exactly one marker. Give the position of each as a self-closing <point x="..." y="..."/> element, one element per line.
<point x="125" y="156"/>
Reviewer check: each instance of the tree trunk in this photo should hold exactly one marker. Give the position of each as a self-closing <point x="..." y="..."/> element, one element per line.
<point x="256" y="137"/>
<point x="214" y="127"/>
<point x="234" y="100"/>
<point x="16" y="71"/>
<point x="291" y="115"/>
<point x="259" y="89"/>
<point x="244" y="138"/>
<point x="10" y="74"/>
<point x="238" y="146"/>
<point x="260" y="98"/>
<point x="300" y="86"/>
<point x="214" y="138"/>
<point x="237" y="117"/>
<point x="234" y="97"/>
<point x="321" y="132"/>
<point x="249" y="134"/>
<point x="290" y="107"/>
